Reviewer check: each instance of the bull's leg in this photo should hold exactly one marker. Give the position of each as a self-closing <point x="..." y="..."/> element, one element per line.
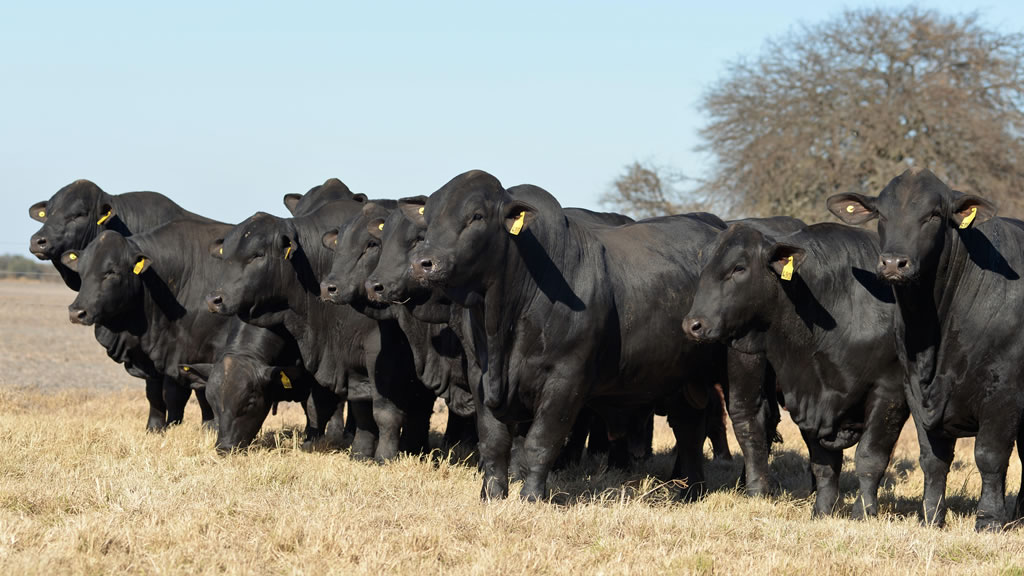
<point x="1018" y="510"/>
<point x="364" y="445"/>
<point x="882" y="429"/>
<point x="825" y="466"/>
<point x="205" y="409"/>
<point x="176" y="397"/>
<point x="157" y="407"/>
<point x="495" y="449"/>
<point x="321" y="408"/>
<point x="992" y="450"/>
<point x="336" y="428"/>
<point x="389" y="419"/>
<point x="641" y="438"/>
<point x="936" y="458"/>
<point x="715" y="419"/>
<point x="572" y="452"/>
<point x="749" y="421"/>
<point x="552" y="422"/>
<point x="688" y="426"/>
<point x="416" y="431"/>
<point x="460" y="436"/>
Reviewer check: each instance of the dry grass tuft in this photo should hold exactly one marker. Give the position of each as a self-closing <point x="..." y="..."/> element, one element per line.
<point x="84" y="489"/>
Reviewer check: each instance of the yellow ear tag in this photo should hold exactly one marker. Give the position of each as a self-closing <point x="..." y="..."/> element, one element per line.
<point x="72" y="256"/>
<point x="421" y="209"/>
<point x="380" y="226"/>
<point x="220" y="250"/>
<point x="185" y="368"/>
<point x="286" y="381"/>
<point x="42" y="213"/>
<point x="105" y="217"/>
<point x="787" y="270"/>
<point x="517" y="226"/>
<point x="138" y="266"/>
<point x="288" y="252"/>
<point x="970" y="218"/>
<point x="850" y="208"/>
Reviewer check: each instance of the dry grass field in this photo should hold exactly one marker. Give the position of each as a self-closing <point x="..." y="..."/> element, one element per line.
<point x="84" y="489"/>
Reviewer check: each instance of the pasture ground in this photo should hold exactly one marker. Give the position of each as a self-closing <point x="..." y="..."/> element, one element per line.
<point x="84" y="489"/>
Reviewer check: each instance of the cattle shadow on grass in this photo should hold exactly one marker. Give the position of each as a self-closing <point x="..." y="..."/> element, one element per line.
<point x="591" y="480"/>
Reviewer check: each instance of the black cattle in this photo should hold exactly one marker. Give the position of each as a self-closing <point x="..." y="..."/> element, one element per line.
<point x="299" y="205"/>
<point x="74" y="217"/>
<point x="272" y="280"/>
<point x="955" y="271"/>
<point x="331" y="190"/>
<point x="809" y="304"/>
<point x="437" y="352"/>
<point x="388" y="263"/>
<point x="559" y="313"/>
<point x="152" y="287"/>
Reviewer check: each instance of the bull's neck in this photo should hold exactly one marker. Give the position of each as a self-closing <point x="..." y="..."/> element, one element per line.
<point x="784" y="328"/>
<point x="921" y="307"/>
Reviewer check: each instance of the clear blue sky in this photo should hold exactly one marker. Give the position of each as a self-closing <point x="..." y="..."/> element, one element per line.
<point x="228" y="106"/>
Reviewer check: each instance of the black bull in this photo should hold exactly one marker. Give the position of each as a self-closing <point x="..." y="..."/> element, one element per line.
<point x="561" y="314"/>
<point x="955" y="272"/>
<point x="74" y="217"/>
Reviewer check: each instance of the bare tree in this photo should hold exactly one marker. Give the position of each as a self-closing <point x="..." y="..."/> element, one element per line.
<point x="848" y="104"/>
<point x="645" y="190"/>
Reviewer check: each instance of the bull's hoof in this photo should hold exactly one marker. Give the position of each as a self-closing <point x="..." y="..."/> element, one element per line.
<point x="156" y="425"/>
<point x="765" y="488"/>
<point x="493" y="490"/>
<point x="861" y="510"/>
<point x="988" y="524"/>
<point x="210" y="425"/>
<point x="531" y="495"/>
<point x="692" y="493"/>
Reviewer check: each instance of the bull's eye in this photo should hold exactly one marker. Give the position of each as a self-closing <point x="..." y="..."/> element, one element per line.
<point x="739" y="269"/>
<point x="372" y="244"/>
<point x="109" y="274"/>
<point x="255" y="257"/>
<point x="477" y="216"/>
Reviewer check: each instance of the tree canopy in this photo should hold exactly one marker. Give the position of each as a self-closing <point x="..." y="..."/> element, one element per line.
<point x="846" y="105"/>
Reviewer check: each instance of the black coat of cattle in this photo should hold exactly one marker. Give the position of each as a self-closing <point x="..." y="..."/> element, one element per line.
<point x="151" y="288"/>
<point x="955" y="271"/>
<point x="361" y="275"/>
<point x="437" y="352"/>
<point x="74" y="217"/>
<point x="811" y="305"/>
<point x="330" y="191"/>
<point x="272" y="280"/>
<point x="559" y="313"/>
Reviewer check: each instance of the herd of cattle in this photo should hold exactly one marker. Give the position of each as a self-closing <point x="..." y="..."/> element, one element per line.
<point x="532" y="319"/>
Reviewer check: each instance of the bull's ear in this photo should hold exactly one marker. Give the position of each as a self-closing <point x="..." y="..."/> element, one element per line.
<point x="517" y="216"/>
<point x="287" y="246"/>
<point x="290" y="201"/>
<point x="330" y="239"/>
<point x="217" y="248"/>
<point x="106" y="213"/>
<point x="375" y="227"/>
<point x="142" y="263"/>
<point x="413" y="208"/>
<point x="196" y="374"/>
<point x="70" y="259"/>
<point x="359" y="197"/>
<point x="853" y="209"/>
<point x="970" y="210"/>
<point x="38" y="211"/>
<point x="785" y="259"/>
